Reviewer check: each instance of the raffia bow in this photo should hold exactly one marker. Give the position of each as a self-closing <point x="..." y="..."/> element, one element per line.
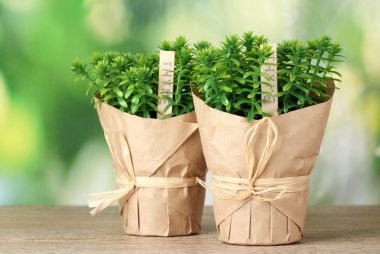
<point x="127" y="182"/>
<point x="253" y="186"/>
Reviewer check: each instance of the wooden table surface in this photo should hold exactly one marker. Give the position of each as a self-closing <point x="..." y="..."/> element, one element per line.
<point x="63" y="229"/>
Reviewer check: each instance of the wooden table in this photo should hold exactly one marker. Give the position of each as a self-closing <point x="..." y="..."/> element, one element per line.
<point x="46" y="229"/>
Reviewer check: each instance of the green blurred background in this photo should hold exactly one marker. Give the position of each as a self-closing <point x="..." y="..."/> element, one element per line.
<point x="52" y="149"/>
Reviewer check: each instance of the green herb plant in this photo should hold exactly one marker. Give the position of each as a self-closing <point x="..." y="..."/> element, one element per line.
<point x="123" y="80"/>
<point x="303" y="72"/>
<point x="229" y="76"/>
<point x="129" y="82"/>
<point x="181" y="100"/>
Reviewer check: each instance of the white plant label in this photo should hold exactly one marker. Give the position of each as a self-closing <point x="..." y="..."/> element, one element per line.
<point x="165" y="82"/>
<point x="270" y="102"/>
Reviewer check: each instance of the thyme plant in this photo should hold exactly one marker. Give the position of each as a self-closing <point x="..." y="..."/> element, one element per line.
<point x="123" y="80"/>
<point x="229" y="76"/>
<point x="129" y="82"/>
<point x="181" y="100"/>
<point x="303" y="71"/>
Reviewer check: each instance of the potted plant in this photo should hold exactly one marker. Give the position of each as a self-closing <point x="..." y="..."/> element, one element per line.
<point x="261" y="161"/>
<point x="156" y="160"/>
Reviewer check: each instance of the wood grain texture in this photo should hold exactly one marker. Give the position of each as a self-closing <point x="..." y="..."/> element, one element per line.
<point x="46" y="229"/>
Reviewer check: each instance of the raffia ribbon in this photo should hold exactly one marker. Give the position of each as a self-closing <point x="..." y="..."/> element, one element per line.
<point x="104" y="199"/>
<point x="254" y="187"/>
<point x="127" y="182"/>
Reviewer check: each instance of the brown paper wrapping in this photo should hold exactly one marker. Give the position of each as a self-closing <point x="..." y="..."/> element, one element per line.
<point x="252" y="221"/>
<point x="157" y="149"/>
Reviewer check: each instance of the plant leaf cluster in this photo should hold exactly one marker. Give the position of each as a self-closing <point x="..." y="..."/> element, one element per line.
<point x="181" y="100"/>
<point x="123" y="80"/>
<point x="303" y="71"/>
<point x="129" y="82"/>
<point x="229" y="76"/>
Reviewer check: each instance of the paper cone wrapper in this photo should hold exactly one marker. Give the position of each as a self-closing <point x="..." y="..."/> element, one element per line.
<point x="152" y="148"/>
<point x="251" y="221"/>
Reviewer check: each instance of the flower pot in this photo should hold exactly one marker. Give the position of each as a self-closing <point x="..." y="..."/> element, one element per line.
<point x="260" y="171"/>
<point x="156" y="163"/>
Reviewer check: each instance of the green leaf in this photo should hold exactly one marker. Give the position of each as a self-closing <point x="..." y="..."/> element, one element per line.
<point x="136" y="99"/>
<point x="129" y="91"/>
<point x="118" y="92"/>
<point x="226" y="88"/>
<point x="287" y="87"/>
<point x="134" y="108"/>
<point x="228" y="107"/>
<point x="224" y="99"/>
<point x="103" y="91"/>
<point x="235" y="61"/>
<point x="251" y="95"/>
<point x="224" y="75"/>
<point x="247" y="74"/>
<point x="240" y="80"/>
<point x="108" y="97"/>
<point x="122" y="102"/>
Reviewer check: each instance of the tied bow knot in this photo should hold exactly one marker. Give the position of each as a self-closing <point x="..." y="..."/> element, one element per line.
<point x="127" y="182"/>
<point x="255" y="187"/>
<point x="126" y="189"/>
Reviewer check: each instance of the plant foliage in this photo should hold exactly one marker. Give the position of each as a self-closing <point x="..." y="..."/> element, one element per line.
<point x="123" y="80"/>
<point x="229" y="76"/>
<point x="129" y="82"/>
<point x="181" y="100"/>
<point x="303" y="69"/>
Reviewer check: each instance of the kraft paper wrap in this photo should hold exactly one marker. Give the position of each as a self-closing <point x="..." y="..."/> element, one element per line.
<point x="268" y="215"/>
<point x="156" y="162"/>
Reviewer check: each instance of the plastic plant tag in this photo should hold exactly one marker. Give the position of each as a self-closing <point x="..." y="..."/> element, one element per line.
<point x="165" y="82"/>
<point x="270" y="102"/>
